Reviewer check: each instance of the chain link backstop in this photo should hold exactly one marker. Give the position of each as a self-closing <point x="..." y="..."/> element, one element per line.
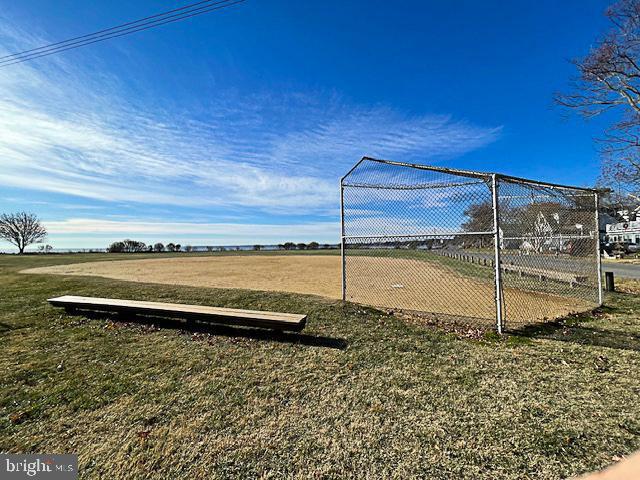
<point x="468" y="245"/>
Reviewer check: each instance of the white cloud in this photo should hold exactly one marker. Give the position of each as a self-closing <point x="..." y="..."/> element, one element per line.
<point x="383" y="133"/>
<point x="68" y="130"/>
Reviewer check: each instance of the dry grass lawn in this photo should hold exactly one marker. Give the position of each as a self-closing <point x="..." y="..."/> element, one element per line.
<point x="358" y="394"/>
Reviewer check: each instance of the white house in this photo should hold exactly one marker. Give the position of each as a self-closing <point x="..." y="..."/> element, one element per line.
<point x="623" y="231"/>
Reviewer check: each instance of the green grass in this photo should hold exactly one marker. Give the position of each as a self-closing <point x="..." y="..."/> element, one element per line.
<point x="359" y="394"/>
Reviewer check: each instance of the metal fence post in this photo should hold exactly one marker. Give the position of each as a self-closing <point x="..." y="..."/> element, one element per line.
<point x="598" y="253"/>
<point x="610" y="281"/>
<point x="497" y="263"/>
<point x="342" y="256"/>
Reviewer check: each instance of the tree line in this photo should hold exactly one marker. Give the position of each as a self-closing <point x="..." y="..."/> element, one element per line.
<point x="301" y="246"/>
<point x="135" y="246"/>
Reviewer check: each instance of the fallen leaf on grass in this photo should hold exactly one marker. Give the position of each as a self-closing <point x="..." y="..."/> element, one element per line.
<point x="17" y="417"/>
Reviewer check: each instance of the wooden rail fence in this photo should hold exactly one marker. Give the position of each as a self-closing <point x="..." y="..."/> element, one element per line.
<point x="542" y="274"/>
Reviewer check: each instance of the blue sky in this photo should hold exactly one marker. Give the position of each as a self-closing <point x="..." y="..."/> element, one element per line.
<point x="234" y="127"/>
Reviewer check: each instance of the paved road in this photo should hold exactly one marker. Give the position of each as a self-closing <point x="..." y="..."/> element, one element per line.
<point x="622" y="270"/>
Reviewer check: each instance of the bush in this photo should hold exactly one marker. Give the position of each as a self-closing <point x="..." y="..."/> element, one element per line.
<point x="128" y="246"/>
<point x="116" y="247"/>
<point x="134" y="246"/>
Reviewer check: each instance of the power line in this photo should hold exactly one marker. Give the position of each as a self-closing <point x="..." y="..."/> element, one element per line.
<point x="187" y="11"/>
<point x="117" y="27"/>
<point x="128" y="28"/>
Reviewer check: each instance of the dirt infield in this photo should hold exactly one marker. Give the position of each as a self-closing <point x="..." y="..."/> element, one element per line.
<point x="309" y="274"/>
<point x="383" y="282"/>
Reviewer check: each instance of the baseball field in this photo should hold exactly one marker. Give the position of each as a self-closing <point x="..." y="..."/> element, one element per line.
<point x="419" y="285"/>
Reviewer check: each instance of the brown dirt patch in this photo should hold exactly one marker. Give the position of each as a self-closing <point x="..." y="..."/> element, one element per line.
<point x="432" y="287"/>
<point x="316" y="275"/>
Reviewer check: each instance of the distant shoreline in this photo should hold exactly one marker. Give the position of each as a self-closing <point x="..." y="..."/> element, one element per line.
<point x="194" y="248"/>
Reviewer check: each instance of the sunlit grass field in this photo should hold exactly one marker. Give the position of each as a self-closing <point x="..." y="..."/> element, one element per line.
<point x="358" y="394"/>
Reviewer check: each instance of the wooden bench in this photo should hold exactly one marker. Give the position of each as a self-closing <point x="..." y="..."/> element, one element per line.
<point x="226" y="316"/>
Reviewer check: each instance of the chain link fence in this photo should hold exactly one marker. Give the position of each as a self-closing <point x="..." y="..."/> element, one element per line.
<point x="467" y="245"/>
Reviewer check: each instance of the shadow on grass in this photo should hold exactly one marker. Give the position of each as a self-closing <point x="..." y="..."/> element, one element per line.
<point x="5" y="327"/>
<point x="205" y="328"/>
<point x="573" y="329"/>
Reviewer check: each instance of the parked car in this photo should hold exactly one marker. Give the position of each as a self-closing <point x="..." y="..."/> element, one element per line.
<point x="618" y="248"/>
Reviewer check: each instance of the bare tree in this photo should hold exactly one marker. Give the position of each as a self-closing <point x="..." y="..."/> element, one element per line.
<point x="609" y="80"/>
<point x="45" y="248"/>
<point x="21" y="229"/>
<point x="116" y="247"/>
<point x="479" y="218"/>
<point x="133" y="246"/>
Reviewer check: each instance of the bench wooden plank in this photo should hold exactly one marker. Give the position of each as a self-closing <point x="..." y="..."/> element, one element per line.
<point x="227" y="316"/>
